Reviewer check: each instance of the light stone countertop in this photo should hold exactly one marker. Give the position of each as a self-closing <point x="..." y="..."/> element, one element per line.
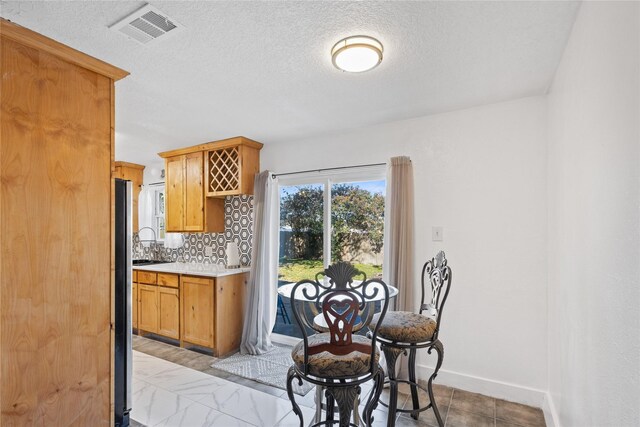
<point x="194" y="269"/>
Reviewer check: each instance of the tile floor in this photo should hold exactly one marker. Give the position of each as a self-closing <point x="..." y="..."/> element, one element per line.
<point x="178" y="387"/>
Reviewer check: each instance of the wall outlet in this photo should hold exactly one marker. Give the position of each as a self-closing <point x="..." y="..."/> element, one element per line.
<point x="208" y="251"/>
<point x="437" y="233"/>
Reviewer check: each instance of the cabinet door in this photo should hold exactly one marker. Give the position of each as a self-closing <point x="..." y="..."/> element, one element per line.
<point x="197" y="305"/>
<point x="194" y="192"/>
<point x="169" y="312"/>
<point x="230" y="294"/>
<point x="134" y="305"/>
<point x="174" y="196"/>
<point x="148" y="308"/>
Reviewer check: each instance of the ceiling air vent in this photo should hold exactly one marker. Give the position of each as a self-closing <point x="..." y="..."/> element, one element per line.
<point x="146" y="25"/>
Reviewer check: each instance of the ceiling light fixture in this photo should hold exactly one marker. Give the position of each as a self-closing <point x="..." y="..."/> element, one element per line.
<point x="356" y="54"/>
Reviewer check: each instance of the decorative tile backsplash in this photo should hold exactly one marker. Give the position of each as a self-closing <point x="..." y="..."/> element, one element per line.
<point x="238" y="227"/>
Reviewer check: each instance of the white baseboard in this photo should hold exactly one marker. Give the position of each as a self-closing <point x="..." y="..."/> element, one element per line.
<point x="498" y="389"/>
<point x="550" y="414"/>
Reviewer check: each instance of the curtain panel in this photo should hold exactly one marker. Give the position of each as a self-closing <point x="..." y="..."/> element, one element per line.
<point x="398" y="270"/>
<point x="261" y="301"/>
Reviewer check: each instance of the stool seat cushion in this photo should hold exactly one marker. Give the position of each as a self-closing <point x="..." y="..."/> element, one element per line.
<point x="327" y="365"/>
<point x="405" y="327"/>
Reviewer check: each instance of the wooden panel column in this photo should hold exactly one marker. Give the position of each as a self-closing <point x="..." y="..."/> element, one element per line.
<point x="56" y="254"/>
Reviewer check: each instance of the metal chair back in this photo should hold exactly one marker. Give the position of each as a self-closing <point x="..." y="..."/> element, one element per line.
<point x="341" y="300"/>
<point x="438" y="274"/>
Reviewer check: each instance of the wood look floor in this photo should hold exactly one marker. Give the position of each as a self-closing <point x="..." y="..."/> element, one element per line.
<point x="458" y="408"/>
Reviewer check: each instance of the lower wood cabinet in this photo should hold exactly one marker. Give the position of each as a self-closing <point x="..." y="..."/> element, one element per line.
<point x="169" y="312"/>
<point x="148" y="308"/>
<point x="196" y="310"/>
<point x="158" y="307"/>
<point x="196" y="297"/>
<point x="134" y="305"/>
<point x="230" y="294"/>
<point x="212" y="311"/>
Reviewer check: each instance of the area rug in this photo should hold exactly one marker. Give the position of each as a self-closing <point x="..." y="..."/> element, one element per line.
<point x="269" y="368"/>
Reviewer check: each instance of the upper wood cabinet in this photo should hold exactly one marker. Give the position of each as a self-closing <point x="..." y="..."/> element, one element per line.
<point x="134" y="173"/>
<point x="187" y="208"/>
<point x="231" y="167"/>
<point x="199" y="177"/>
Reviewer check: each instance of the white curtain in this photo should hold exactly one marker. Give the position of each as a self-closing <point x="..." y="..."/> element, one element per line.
<point x="261" y="303"/>
<point x="399" y="257"/>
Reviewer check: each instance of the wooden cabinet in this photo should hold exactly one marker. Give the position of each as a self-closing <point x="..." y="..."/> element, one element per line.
<point x="134" y="173"/>
<point x="174" y="193"/>
<point x="168" y="312"/>
<point x="148" y="308"/>
<point x="196" y="310"/>
<point x="187" y="208"/>
<point x="199" y="177"/>
<point x="212" y="311"/>
<point x="197" y="314"/>
<point x="230" y="294"/>
<point x="158" y="303"/>
<point x="134" y="305"/>
<point x="231" y="167"/>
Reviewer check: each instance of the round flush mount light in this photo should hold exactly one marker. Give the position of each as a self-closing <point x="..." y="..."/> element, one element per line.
<point x="356" y="54"/>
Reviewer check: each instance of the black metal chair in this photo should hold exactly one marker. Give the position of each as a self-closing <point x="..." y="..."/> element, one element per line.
<point x="402" y="331"/>
<point x="339" y="361"/>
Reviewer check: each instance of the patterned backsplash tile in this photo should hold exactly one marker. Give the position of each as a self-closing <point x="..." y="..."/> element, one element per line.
<point x="238" y="227"/>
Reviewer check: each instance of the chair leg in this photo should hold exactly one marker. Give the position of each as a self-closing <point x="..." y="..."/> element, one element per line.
<point x="391" y="355"/>
<point x="437" y="345"/>
<point x="345" y="397"/>
<point x="291" y="375"/>
<point x="330" y="405"/>
<point x="319" y="399"/>
<point x="356" y="408"/>
<point x="412" y="378"/>
<point x="374" y="397"/>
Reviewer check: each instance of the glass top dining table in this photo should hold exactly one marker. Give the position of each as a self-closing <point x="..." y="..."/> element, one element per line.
<point x="319" y="322"/>
<point x="286" y="290"/>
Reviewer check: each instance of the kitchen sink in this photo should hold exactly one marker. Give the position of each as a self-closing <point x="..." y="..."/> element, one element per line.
<point x="147" y="262"/>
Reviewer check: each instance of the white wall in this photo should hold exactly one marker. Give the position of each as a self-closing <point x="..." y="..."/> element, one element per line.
<point x="594" y="257"/>
<point x="481" y="174"/>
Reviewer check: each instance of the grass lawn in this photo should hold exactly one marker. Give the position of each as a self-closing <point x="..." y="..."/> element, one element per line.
<point x="294" y="270"/>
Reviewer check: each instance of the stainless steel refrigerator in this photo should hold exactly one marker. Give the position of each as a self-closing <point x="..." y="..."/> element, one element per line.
<point x="123" y="345"/>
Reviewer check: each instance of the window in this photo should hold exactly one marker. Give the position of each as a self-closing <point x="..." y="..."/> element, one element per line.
<point x="325" y="219"/>
<point x="157" y="191"/>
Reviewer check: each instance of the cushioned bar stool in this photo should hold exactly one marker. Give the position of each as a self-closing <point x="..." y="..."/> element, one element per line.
<point x="339" y="361"/>
<point x="400" y="332"/>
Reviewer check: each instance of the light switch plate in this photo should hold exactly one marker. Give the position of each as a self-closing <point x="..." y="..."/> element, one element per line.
<point x="437" y="233"/>
<point x="208" y="251"/>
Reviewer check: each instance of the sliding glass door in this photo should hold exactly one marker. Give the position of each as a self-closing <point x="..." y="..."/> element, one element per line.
<point x="324" y="220"/>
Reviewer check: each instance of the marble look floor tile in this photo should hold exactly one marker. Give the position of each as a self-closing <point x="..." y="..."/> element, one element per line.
<point x="252" y="406"/>
<point x="151" y="404"/>
<point x="292" y="420"/>
<point x="145" y="366"/>
<point x="193" y="385"/>
<point x="519" y="414"/>
<point x="197" y="415"/>
<point x="380" y="418"/>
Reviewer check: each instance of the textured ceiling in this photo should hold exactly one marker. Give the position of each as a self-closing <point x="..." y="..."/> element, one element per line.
<point x="262" y="69"/>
